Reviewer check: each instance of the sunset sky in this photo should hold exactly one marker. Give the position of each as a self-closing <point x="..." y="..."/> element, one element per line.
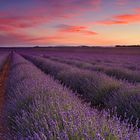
<point x="69" y="22"/>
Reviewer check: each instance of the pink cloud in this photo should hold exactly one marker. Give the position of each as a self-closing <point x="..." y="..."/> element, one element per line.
<point x="55" y="8"/>
<point x="5" y="28"/>
<point x="122" y="2"/>
<point x="129" y="18"/>
<point x="122" y="19"/>
<point x="137" y="10"/>
<point x="22" y="22"/>
<point x="76" y="29"/>
<point x="22" y="39"/>
<point x="45" y="39"/>
<point x="112" y="22"/>
<point x="13" y="38"/>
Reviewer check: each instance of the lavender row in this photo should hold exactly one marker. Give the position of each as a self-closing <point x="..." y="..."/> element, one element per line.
<point x="117" y="72"/>
<point x="39" y="108"/>
<point x="131" y="62"/>
<point x="3" y="59"/>
<point x="96" y="88"/>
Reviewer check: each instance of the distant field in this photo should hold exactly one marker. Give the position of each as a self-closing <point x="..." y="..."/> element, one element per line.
<point x="70" y="93"/>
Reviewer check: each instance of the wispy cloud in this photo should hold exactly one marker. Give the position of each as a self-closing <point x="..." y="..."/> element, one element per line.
<point x="22" y="22"/>
<point x="122" y="2"/>
<point x="23" y="39"/>
<point x="75" y="29"/>
<point x="122" y="18"/>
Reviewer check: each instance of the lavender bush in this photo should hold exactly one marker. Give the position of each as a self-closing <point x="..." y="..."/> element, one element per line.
<point x="128" y="101"/>
<point x="117" y="72"/>
<point x="113" y="59"/>
<point x="96" y="88"/>
<point x="39" y="108"/>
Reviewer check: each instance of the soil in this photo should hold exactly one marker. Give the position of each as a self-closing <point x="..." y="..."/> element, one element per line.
<point x="3" y="77"/>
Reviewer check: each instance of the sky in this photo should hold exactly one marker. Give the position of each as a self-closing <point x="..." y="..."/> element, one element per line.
<point x="69" y="22"/>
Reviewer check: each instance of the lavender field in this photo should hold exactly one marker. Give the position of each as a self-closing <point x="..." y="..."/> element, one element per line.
<point x="70" y="93"/>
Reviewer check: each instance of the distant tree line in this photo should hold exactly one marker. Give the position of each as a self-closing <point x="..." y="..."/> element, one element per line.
<point x="127" y="46"/>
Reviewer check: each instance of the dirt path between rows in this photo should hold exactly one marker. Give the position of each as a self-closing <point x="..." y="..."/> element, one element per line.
<point x="3" y="77"/>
